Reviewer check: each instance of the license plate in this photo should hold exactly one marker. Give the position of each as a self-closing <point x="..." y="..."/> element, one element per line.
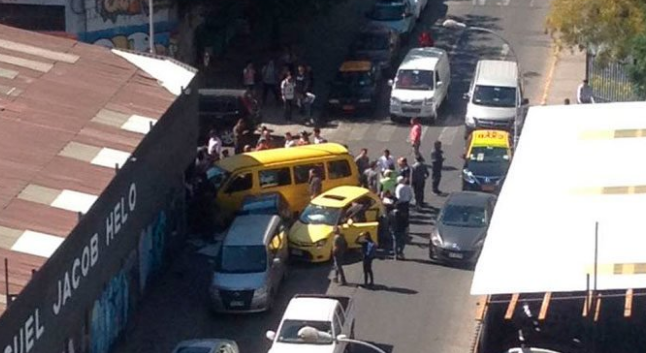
<point x="488" y="188"/>
<point x="236" y="303"/>
<point x="455" y="255"/>
<point x="297" y="252"/>
<point x="348" y="107"/>
<point x="411" y="110"/>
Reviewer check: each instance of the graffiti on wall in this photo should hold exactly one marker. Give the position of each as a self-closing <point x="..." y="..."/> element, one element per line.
<point x="110" y="10"/>
<point x="136" y="38"/>
<point x="151" y="248"/>
<point x="110" y="314"/>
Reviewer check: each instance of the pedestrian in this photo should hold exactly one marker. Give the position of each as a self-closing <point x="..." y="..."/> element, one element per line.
<point x="398" y="231"/>
<point x="263" y="144"/>
<point x="315" y="183"/>
<point x="249" y="77"/>
<point x="419" y="173"/>
<point x="302" y="82"/>
<point x="289" y="140"/>
<point x="368" y="252"/>
<point x="269" y="81"/>
<point x="415" y="135"/>
<point x="404" y="195"/>
<point x="247" y="149"/>
<point x="362" y="160"/>
<point x="584" y="93"/>
<point x="317" y="136"/>
<point x="437" y="163"/>
<point x="339" y="246"/>
<point x="309" y="103"/>
<point x="240" y="131"/>
<point x="370" y="177"/>
<point x="386" y="162"/>
<point x="287" y="92"/>
<point x="404" y="168"/>
<point x="388" y="182"/>
<point x="265" y="133"/>
<point x="426" y="39"/>
<point x="304" y="139"/>
<point x="215" y="144"/>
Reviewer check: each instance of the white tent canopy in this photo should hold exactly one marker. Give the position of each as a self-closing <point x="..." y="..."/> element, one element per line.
<point x="574" y="166"/>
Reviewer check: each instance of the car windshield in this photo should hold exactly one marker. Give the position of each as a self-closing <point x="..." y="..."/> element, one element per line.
<point x="388" y="13"/>
<point x="492" y="96"/>
<point x="371" y="41"/>
<point x="217" y="176"/>
<point x="414" y="79"/>
<point x="353" y="78"/>
<point x="242" y="259"/>
<point x="464" y="216"/>
<point x="289" y="331"/>
<point x="314" y="214"/>
<point x="489" y="154"/>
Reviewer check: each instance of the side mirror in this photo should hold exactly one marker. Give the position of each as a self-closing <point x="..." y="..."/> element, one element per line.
<point x="270" y="335"/>
<point x="439" y="83"/>
<point x="525" y="101"/>
<point x="391" y="82"/>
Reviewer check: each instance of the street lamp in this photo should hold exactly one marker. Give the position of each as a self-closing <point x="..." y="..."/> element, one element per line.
<point x="311" y="334"/>
<point x="453" y="24"/>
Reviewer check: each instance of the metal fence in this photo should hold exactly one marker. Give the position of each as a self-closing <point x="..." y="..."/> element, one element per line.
<point x="611" y="82"/>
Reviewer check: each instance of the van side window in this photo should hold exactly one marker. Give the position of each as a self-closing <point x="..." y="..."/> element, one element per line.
<point x="275" y="177"/>
<point x="339" y="169"/>
<point x="241" y="182"/>
<point x="302" y="172"/>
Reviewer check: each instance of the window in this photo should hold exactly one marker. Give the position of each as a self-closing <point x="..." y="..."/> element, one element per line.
<point x="339" y="169"/>
<point x="275" y="177"/>
<point x="302" y="172"/>
<point x="437" y="78"/>
<point x="241" y="182"/>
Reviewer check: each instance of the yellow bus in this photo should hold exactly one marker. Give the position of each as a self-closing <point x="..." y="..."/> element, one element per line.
<point x="282" y="170"/>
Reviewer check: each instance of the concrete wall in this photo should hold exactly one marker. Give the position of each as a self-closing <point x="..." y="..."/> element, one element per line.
<point x="82" y="298"/>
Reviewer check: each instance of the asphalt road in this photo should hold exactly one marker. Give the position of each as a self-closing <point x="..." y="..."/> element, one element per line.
<point x="417" y="306"/>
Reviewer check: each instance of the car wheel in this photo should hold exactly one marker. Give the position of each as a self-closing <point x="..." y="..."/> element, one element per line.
<point x="227" y="137"/>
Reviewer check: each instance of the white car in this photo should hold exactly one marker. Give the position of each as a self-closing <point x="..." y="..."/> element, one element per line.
<point x="328" y="316"/>
<point x="211" y="345"/>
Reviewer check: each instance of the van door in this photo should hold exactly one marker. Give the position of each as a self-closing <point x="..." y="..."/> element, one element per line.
<point x="241" y="185"/>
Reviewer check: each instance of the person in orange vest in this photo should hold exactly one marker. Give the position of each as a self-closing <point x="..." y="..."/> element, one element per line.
<point x="426" y="39"/>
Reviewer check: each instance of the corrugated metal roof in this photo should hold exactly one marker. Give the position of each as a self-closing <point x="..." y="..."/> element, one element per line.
<point x="60" y="105"/>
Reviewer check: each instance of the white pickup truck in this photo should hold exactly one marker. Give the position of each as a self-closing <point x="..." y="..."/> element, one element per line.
<point x="331" y="316"/>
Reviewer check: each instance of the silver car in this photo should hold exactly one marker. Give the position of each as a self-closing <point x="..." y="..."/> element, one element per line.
<point x="212" y="345"/>
<point x="251" y="264"/>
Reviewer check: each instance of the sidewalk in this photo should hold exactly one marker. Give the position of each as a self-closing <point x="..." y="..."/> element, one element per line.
<point x="566" y="74"/>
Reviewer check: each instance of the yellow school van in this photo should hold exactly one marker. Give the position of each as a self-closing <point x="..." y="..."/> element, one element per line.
<point x="282" y="170"/>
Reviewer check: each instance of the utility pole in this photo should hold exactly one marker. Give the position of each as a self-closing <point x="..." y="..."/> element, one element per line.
<point x="151" y="27"/>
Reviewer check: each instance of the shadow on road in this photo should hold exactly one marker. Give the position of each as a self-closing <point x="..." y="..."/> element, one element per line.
<point x="383" y="288"/>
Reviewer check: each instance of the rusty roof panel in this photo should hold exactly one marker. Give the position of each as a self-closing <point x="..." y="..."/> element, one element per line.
<point x="41" y="218"/>
<point x="72" y="174"/>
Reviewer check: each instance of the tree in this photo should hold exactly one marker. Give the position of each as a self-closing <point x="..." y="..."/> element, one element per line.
<point x="608" y="26"/>
<point x="637" y="70"/>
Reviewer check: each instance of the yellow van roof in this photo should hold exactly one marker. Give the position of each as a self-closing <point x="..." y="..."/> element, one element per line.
<point x="340" y="196"/>
<point x="278" y="155"/>
<point x="350" y="66"/>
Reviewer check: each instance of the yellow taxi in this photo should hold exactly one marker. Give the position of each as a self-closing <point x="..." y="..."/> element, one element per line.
<point x="487" y="160"/>
<point x="353" y="209"/>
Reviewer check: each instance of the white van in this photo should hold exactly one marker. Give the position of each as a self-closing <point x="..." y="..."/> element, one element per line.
<point x="421" y="84"/>
<point x="493" y="95"/>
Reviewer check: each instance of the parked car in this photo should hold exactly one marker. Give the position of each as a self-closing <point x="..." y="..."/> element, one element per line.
<point x="486" y="161"/>
<point x="421" y="85"/>
<point x="311" y="236"/>
<point x="355" y="87"/>
<point x="396" y="14"/>
<point x="211" y="345"/>
<point x="221" y="109"/>
<point x="330" y="315"/>
<point x="461" y="227"/>
<point x="377" y="43"/>
<point x="251" y="265"/>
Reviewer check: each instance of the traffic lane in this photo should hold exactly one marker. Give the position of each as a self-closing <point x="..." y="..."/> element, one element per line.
<point x="177" y="307"/>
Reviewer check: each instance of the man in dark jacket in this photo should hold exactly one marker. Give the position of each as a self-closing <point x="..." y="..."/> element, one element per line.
<point x="419" y="175"/>
<point x="339" y="247"/>
<point x="437" y="163"/>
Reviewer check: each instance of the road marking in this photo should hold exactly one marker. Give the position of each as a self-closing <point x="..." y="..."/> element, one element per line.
<point x="385" y="132"/>
<point x="550" y="75"/>
<point x="358" y="131"/>
<point x="447" y="136"/>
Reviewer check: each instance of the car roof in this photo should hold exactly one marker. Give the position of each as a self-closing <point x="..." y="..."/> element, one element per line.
<point x="422" y="59"/>
<point x="340" y="196"/>
<point x="469" y="198"/>
<point x="249" y="230"/>
<point x="279" y="155"/>
<point x="493" y="138"/>
<point x="204" y="343"/>
<point x="497" y="73"/>
<point x="315" y="309"/>
<point x="222" y="92"/>
<point x="356" y="66"/>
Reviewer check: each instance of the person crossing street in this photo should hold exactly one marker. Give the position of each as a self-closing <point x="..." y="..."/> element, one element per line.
<point x="340" y="245"/>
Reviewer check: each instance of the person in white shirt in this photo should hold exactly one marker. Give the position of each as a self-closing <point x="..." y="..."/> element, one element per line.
<point x="289" y="140"/>
<point x="584" y="93"/>
<point x="404" y="195"/>
<point x="317" y="136"/>
<point x="386" y="162"/>
<point x="287" y="90"/>
<point x="215" y="144"/>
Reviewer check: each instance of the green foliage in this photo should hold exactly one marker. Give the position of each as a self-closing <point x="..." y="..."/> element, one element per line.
<point x="637" y="70"/>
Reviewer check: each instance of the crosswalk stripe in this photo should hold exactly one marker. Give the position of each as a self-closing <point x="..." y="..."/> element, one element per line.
<point x="386" y="132"/>
<point x="448" y="135"/>
<point x="358" y="131"/>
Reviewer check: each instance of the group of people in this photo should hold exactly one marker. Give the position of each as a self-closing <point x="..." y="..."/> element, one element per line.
<point x="289" y="81"/>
